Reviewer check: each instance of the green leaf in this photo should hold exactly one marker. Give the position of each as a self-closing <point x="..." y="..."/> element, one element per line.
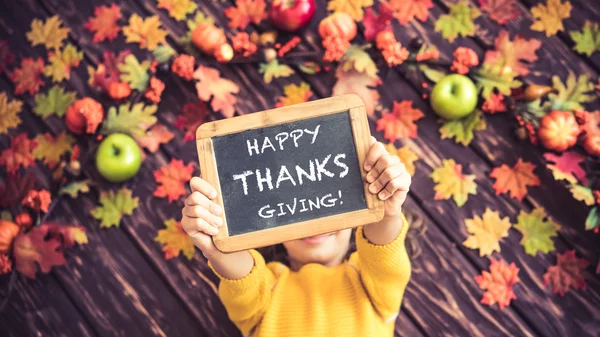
<point x="75" y="188"/>
<point x="56" y="101"/>
<point x="310" y="68"/>
<point x="432" y="74"/>
<point x="462" y="129"/>
<point x="592" y="222"/>
<point x="134" y="73"/>
<point x="570" y="95"/>
<point x="588" y="40"/>
<point x="358" y="59"/>
<point x="163" y="53"/>
<point x="113" y="206"/>
<point x="458" y="22"/>
<point x="490" y="77"/>
<point x="274" y="70"/>
<point x="582" y="193"/>
<point x="537" y="231"/>
<point x="132" y="121"/>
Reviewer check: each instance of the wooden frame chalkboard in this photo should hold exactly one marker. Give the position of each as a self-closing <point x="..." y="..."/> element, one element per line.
<point x="350" y="104"/>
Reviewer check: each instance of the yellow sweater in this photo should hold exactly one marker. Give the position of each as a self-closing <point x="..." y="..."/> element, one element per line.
<point x="360" y="297"/>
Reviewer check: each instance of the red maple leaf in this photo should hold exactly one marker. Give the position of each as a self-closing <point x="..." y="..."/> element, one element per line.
<point x="107" y="72"/>
<point x="500" y="11"/>
<point x="104" y="24"/>
<point x="20" y="153"/>
<point x="400" y="122"/>
<point x="38" y="200"/>
<point x="406" y="10"/>
<point x="568" y="163"/>
<point x="172" y="179"/>
<point x="514" y="180"/>
<point x="27" y="78"/>
<point x="566" y="273"/>
<point x="194" y="114"/>
<point x="15" y="188"/>
<point x="33" y="247"/>
<point x="246" y="11"/>
<point x="156" y="135"/>
<point x="498" y="282"/>
<point x="375" y="23"/>
<point x="512" y="53"/>
<point x="6" y="57"/>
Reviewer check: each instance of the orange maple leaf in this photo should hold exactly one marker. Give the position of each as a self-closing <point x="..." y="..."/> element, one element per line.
<point x="175" y="240"/>
<point x="192" y="117"/>
<point x="500" y="11"/>
<point x="33" y="247"/>
<point x="210" y="84"/>
<point x="400" y="122"/>
<point x="566" y="273"/>
<point x="172" y="179"/>
<point x="20" y="153"/>
<point x="511" y="54"/>
<point x="246" y="11"/>
<point x="27" y="78"/>
<point x="514" y="180"/>
<point x="498" y="282"/>
<point x="104" y="23"/>
<point x="156" y="135"/>
<point x="406" y="10"/>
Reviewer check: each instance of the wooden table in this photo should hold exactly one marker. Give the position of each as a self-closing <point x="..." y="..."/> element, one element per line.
<point x="120" y="284"/>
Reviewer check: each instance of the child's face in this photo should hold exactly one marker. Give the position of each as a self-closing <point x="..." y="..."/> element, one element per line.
<point x="327" y="249"/>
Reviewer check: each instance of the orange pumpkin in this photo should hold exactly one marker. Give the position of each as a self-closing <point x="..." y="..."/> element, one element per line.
<point x="208" y="38"/>
<point x="338" y="24"/>
<point x="84" y="115"/>
<point x="558" y="131"/>
<point x="8" y="232"/>
<point x="591" y="144"/>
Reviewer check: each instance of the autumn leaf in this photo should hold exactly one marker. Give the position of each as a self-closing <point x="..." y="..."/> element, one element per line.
<point x="358" y="59"/>
<point x="107" y="72"/>
<point x="274" y="70"/>
<point x="566" y="273"/>
<point x="459" y="22"/>
<point x="451" y="182"/>
<point x="104" y="23"/>
<point x="406" y="155"/>
<point x="61" y="62"/>
<point x="486" y="232"/>
<point x="361" y="84"/>
<point x="37" y="200"/>
<point x="172" y="180"/>
<point x="537" y="230"/>
<point x="75" y="188"/>
<point x="193" y="115"/>
<point x="400" y="123"/>
<point x="462" y="129"/>
<point x="210" y="84"/>
<point x="549" y="17"/>
<point x="294" y="94"/>
<point x="406" y="10"/>
<point x="6" y="57"/>
<point x="582" y="193"/>
<point x="134" y="73"/>
<point x="375" y="23"/>
<point x="567" y="166"/>
<point x="49" y="33"/>
<point x="513" y="54"/>
<point x="9" y="113"/>
<point x="156" y="135"/>
<point x="592" y="222"/>
<point x="132" y="120"/>
<point x="27" y="78"/>
<point x="587" y="41"/>
<point x="32" y="249"/>
<point x="178" y="9"/>
<point x="50" y="149"/>
<point x="514" y="180"/>
<point x="113" y="205"/>
<point x="163" y="53"/>
<point x="500" y="11"/>
<point x="19" y="153"/>
<point x="570" y="95"/>
<point x="246" y="11"/>
<point x="498" y="282"/>
<point x="54" y="102"/>
<point x="145" y="31"/>
<point x="175" y="240"/>
<point x="354" y="8"/>
<point x="494" y="77"/>
<point x="66" y="234"/>
<point x="15" y="188"/>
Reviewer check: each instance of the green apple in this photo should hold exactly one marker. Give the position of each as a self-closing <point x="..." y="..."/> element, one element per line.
<point x="118" y="157"/>
<point x="454" y="97"/>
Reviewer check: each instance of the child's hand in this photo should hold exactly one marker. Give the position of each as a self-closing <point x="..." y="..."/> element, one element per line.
<point x="387" y="177"/>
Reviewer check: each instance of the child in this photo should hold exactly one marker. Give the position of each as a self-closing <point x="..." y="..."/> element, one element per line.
<point x="319" y="293"/>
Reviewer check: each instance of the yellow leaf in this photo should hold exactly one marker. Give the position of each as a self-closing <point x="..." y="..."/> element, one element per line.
<point x="549" y="18"/>
<point x="145" y="31"/>
<point x="50" y="149"/>
<point x="451" y="182"/>
<point x="582" y="193"/>
<point x="406" y="155"/>
<point x="50" y="34"/>
<point x="295" y="94"/>
<point x="175" y="240"/>
<point x="61" y="63"/>
<point x="178" y="9"/>
<point x="486" y="232"/>
<point x="358" y="59"/>
<point x="354" y="8"/>
<point x="9" y="111"/>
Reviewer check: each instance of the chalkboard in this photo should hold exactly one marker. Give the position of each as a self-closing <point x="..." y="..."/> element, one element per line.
<point x="290" y="172"/>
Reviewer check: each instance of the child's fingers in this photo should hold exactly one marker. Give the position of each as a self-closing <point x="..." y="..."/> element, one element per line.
<point x="202" y="186"/>
<point x="193" y="225"/>
<point x="203" y="242"/>
<point x="199" y="199"/>
<point x="400" y="183"/>
<point x="202" y="213"/>
<point x="386" y="176"/>
<point x="384" y="161"/>
<point x="375" y="151"/>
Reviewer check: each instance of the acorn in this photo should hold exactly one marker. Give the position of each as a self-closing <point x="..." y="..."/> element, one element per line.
<point x="268" y="38"/>
<point x="269" y="54"/>
<point x="521" y="133"/>
<point x="74" y="167"/>
<point x="536" y="91"/>
<point x="224" y="53"/>
<point x="415" y="44"/>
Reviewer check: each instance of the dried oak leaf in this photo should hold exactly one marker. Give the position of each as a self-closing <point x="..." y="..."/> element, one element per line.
<point x="549" y="17"/>
<point x="459" y="22"/>
<point x="132" y="120"/>
<point x="15" y="188"/>
<point x="19" y="153"/>
<point x="178" y="9"/>
<point x="500" y="11"/>
<point x="361" y="84"/>
<point x="354" y="8"/>
<point x="406" y="155"/>
<point x="54" y="102"/>
<point x="537" y="230"/>
<point x="113" y="205"/>
<point x="145" y="31"/>
<point x="498" y="282"/>
<point x="9" y="113"/>
<point x="172" y="180"/>
<point x="50" y="149"/>
<point x="210" y="84"/>
<point x="513" y="54"/>
<point x="32" y="249"/>
<point x="587" y="41"/>
<point x="491" y="78"/>
<point x="375" y="23"/>
<point x="104" y="23"/>
<point x="406" y="10"/>
<point x="451" y="182"/>
<point x="246" y="11"/>
<point x="294" y="94"/>
<point x="38" y="200"/>
<point x="192" y="116"/>
<point x="27" y="78"/>
<point x="49" y="33"/>
<point x="61" y="62"/>
<point x="567" y="166"/>
<point x="274" y="70"/>
<point x="462" y="129"/>
<point x="156" y="135"/>
<point x="486" y="232"/>
<point x="175" y="240"/>
<point x="570" y="95"/>
<point x="6" y="57"/>
<point x="566" y="273"/>
<point x="400" y="123"/>
<point x="514" y="179"/>
<point x="107" y="71"/>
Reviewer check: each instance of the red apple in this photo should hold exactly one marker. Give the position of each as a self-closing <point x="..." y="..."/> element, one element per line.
<point x="291" y="15"/>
